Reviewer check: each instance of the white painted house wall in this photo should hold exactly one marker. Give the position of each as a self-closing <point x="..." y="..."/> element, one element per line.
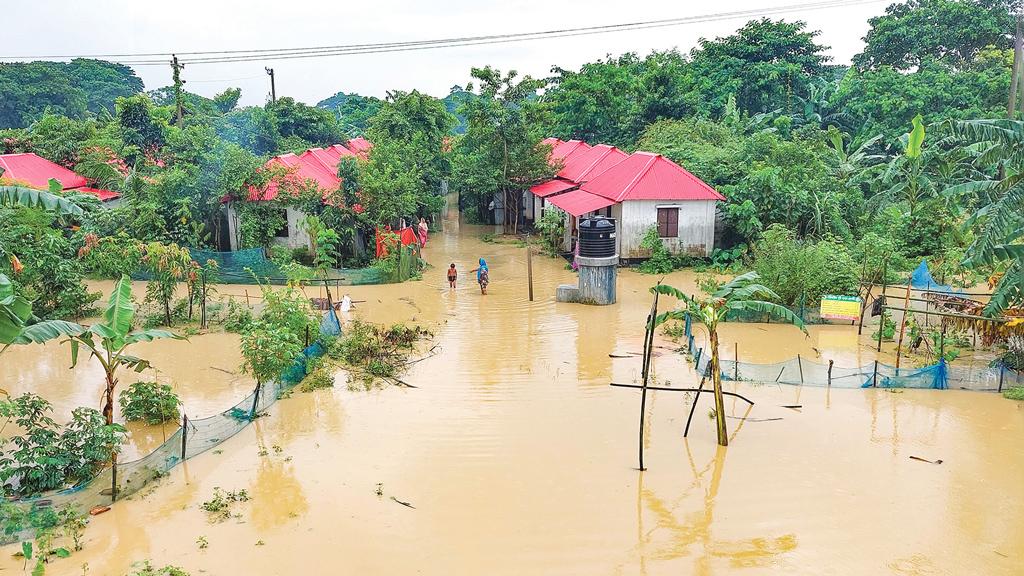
<point x="297" y="236"/>
<point x="696" y="233"/>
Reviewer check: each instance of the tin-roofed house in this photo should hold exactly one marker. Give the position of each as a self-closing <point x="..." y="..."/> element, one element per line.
<point x="641" y="191"/>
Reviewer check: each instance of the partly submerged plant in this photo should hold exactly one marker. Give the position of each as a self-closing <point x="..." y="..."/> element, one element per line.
<point x="741" y="294"/>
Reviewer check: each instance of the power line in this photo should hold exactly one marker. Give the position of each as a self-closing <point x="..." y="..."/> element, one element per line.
<point x="226" y="56"/>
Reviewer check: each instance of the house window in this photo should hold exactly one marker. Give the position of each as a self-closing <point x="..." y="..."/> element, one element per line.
<point x="282" y="232"/>
<point x="668" y="222"/>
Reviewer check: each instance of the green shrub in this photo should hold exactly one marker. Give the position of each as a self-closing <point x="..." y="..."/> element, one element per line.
<point x="154" y="403"/>
<point x="373" y="352"/>
<point x="239" y="317"/>
<point x="1015" y="393"/>
<point x="47" y="456"/>
<point x="804" y="269"/>
<point x="551" y="227"/>
<point x="660" y="261"/>
<point x="318" y="375"/>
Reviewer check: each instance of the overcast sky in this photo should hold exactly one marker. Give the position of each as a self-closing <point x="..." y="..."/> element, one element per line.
<point x="43" y="27"/>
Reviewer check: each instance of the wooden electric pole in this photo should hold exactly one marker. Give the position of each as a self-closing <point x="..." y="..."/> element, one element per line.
<point x="273" y="90"/>
<point x="176" y="69"/>
<point x="1015" y="79"/>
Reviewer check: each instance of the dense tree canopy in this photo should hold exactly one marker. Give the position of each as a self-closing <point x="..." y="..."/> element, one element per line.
<point x="73" y="89"/>
<point x="949" y="31"/>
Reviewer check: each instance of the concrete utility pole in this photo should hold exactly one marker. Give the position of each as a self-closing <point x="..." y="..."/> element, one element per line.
<point x="273" y="91"/>
<point x="178" y="82"/>
<point x="1015" y="79"/>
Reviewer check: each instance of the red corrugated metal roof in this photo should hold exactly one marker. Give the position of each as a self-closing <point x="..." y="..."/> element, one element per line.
<point x="647" y="176"/>
<point x="37" y="171"/>
<point x="578" y="202"/>
<point x="586" y="165"/>
<point x="564" y="151"/>
<point x="545" y="189"/>
<point x="103" y="195"/>
<point x="359" y="145"/>
<point x="317" y="164"/>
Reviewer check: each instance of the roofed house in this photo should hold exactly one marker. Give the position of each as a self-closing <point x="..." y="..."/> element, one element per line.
<point x="316" y="166"/>
<point x="640" y="191"/>
<point x="36" y="172"/>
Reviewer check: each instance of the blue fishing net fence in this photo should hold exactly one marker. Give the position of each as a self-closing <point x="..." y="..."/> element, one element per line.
<point x="801" y="371"/>
<point x="192" y="438"/>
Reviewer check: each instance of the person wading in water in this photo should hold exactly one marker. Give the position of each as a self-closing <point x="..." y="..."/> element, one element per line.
<point x="482" y="276"/>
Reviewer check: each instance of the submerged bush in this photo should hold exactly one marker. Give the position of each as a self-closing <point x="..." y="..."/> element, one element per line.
<point x="803" y="269"/>
<point x="373" y="352"/>
<point x="47" y="456"/>
<point x="147" y="569"/>
<point x="154" y="403"/>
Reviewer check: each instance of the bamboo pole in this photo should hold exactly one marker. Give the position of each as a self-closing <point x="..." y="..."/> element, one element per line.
<point x="529" y="265"/>
<point x="693" y="407"/>
<point x="184" y="434"/>
<point x="903" y="325"/>
<point x="736" y="365"/>
<point x="648" y="346"/>
<point x="881" y="318"/>
<point x="874" y="377"/>
<point x="800" y="365"/>
<point x="830" y="373"/>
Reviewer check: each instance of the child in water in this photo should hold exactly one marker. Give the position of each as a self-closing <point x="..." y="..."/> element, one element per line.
<point x="452" y="276"/>
<point x="482" y="276"/>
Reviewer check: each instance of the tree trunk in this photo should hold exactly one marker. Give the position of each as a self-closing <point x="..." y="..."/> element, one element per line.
<point x="1018" y="52"/>
<point x="716" y="378"/>
<point x="108" y="402"/>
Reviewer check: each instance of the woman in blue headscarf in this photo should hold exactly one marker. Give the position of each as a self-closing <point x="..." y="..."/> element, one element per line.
<point x="482" y="275"/>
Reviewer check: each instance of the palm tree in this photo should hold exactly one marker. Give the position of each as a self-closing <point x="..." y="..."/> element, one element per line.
<point x="999" y="220"/>
<point x="740" y="294"/>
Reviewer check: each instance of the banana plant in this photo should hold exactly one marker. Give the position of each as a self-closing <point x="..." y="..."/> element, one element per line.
<point x="741" y="294"/>
<point x="16" y="321"/>
<point x="108" y="341"/>
<point x="50" y="200"/>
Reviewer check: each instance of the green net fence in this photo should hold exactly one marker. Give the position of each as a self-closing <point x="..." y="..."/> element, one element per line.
<point x="804" y="372"/>
<point x="193" y="438"/>
<point x="239" y="267"/>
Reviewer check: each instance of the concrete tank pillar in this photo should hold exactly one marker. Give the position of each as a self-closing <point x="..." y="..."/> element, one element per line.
<point x="597" y="281"/>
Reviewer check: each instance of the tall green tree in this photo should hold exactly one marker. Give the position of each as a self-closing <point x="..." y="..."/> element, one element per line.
<point x="765" y="64"/>
<point x="949" y="31"/>
<point x="500" y="156"/>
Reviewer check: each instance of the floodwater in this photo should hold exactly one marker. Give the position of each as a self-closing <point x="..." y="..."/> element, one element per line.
<point x="516" y="456"/>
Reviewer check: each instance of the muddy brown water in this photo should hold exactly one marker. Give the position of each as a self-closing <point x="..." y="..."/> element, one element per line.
<point x="518" y="458"/>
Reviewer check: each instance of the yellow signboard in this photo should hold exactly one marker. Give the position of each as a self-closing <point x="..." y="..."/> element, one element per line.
<point x="840" y="307"/>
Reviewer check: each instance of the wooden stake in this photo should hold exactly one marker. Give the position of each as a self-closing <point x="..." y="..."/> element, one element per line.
<point x="693" y="406"/>
<point x="800" y="365"/>
<point x="829" y="373"/>
<point x="184" y="434"/>
<point x="881" y="321"/>
<point x="903" y="324"/>
<point x="736" y="355"/>
<point x="874" y="377"/>
<point x="529" y="266"/>
<point x="648" y="349"/>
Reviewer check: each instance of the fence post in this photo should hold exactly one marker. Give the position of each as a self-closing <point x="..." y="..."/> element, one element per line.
<point x="696" y="362"/>
<point x="184" y="434"/>
<point x="881" y="317"/>
<point x="1002" y="370"/>
<point x="736" y="366"/>
<point x="255" y="402"/>
<point x="829" y="373"/>
<point x="874" y="378"/>
<point x="529" y="265"/>
<point x="800" y="365"/>
<point x="113" y="481"/>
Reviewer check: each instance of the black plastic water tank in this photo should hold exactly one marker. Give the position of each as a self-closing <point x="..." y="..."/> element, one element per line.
<point x="597" y="237"/>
